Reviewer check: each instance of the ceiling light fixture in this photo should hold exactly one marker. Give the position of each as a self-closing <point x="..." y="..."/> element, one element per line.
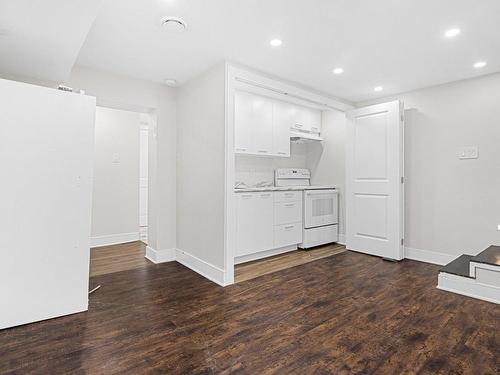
<point x="338" y="71"/>
<point x="276" y="42"/>
<point x="171" y="82"/>
<point x="378" y="88"/>
<point x="174" y="24"/>
<point x="451" y="33"/>
<point x="480" y="64"/>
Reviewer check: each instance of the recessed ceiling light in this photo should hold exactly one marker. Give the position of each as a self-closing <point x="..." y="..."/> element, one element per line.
<point x="174" y="24"/>
<point x="480" y="64"/>
<point x="171" y="82"/>
<point x="338" y="71"/>
<point x="378" y="88"/>
<point x="452" y="32"/>
<point x="276" y="42"/>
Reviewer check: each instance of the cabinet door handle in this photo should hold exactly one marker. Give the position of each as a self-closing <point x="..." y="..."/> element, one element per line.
<point x="290" y="227"/>
<point x="290" y="205"/>
<point x="298" y="125"/>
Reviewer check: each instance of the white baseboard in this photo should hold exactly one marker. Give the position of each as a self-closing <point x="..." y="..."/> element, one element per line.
<point x="468" y="287"/>
<point x="159" y="256"/>
<point x="205" y="269"/>
<point x="427" y="256"/>
<point x="114" y="239"/>
<point x="341" y="239"/>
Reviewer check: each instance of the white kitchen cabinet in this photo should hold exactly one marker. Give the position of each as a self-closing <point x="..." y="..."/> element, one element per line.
<point x="287" y="212"/>
<point x="307" y="120"/>
<point x="243" y="119"/>
<point x="255" y="221"/>
<point x="268" y="221"/>
<point x="282" y="122"/>
<point x="253" y="118"/>
<point x="287" y="234"/>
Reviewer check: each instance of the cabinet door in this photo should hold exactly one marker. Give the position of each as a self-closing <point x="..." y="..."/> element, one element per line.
<point x="264" y="222"/>
<point x="282" y="122"/>
<point x="254" y="223"/>
<point x="315" y="120"/>
<point x="243" y="123"/>
<point x="263" y="125"/>
<point x="301" y="119"/>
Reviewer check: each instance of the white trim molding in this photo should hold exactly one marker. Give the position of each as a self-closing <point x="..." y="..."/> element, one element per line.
<point x="468" y="287"/>
<point x="159" y="256"/>
<point x="205" y="269"/>
<point x="341" y="239"/>
<point x="428" y="256"/>
<point x="114" y="239"/>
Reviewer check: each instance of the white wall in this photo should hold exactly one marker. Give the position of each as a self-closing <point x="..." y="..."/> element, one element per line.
<point x="452" y="205"/>
<point x="201" y="168"/>
<point x="326" y="159"/>
<point x="115" y="198"/>
<point x="136" y="95"/>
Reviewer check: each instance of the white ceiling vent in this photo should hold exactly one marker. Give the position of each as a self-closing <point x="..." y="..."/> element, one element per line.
<point x="174" y="24"/>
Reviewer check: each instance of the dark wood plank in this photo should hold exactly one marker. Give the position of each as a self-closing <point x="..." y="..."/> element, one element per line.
<point x="489" y="256"/>
<point x="116" y="258"/>
<point x="346" y="314"/>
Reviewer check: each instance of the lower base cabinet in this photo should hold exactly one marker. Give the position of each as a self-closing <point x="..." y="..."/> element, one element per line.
<point x="268" y="220"/>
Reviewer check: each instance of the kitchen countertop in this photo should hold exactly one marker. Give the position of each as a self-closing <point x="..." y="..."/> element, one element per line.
<point x="283" y="188"/>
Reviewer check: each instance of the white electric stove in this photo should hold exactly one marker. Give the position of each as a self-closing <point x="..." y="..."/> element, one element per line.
<point x="320" y="206"/>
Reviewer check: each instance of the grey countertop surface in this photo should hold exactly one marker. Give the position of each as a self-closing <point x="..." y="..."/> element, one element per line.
<point x="283" y="188"/>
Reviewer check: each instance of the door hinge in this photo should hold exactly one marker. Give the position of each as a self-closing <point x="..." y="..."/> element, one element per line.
<point x="402" y="180"/>
<point x="402" y="241"/>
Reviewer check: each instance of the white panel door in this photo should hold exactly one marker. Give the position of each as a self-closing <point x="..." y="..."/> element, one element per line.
<point x="374" y="190"/>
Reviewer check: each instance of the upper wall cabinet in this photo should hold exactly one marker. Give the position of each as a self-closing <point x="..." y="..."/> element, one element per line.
<point x="262" y="125"/>
<point x="307" y="120"/>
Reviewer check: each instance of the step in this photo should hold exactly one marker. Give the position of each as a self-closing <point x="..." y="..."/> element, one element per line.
<point x="489" y="256"/>
<point x="459" y="266"/>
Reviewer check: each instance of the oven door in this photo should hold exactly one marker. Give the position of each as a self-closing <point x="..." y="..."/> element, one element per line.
<point x="320" y="208"/>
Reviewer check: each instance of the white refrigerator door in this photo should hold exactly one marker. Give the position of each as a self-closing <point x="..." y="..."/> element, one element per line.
<point x="46" y="156"/>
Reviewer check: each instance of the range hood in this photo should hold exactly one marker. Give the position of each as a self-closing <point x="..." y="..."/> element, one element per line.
<point x="298" y="136"/>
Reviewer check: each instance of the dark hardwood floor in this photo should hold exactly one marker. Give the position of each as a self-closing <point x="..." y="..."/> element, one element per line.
<point x="345" y="314"/>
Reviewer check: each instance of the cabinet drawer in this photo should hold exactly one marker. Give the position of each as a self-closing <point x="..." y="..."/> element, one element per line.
<point x="287" y="212"/>
<point x="288" y="196"/>
<point x="287" y="234"/>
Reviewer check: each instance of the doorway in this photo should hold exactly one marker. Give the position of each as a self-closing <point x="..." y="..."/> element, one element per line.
<point x="119" y="229"/>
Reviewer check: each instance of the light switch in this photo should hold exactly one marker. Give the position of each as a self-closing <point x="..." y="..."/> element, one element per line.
<point x="468" y="152"/>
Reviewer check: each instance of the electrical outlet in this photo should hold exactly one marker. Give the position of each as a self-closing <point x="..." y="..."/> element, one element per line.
<point x="468" y="152"/>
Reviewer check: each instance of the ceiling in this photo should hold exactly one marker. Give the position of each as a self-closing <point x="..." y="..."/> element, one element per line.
<point x="397" y="44"/>
<point x="42" y="39"/>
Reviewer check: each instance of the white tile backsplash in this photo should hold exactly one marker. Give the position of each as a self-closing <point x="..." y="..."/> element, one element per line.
<point x="254" y="169"/>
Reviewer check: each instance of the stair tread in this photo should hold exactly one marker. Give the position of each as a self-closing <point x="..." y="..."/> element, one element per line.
<point x="489" y="256"/>
<point x="459" y="266"/>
